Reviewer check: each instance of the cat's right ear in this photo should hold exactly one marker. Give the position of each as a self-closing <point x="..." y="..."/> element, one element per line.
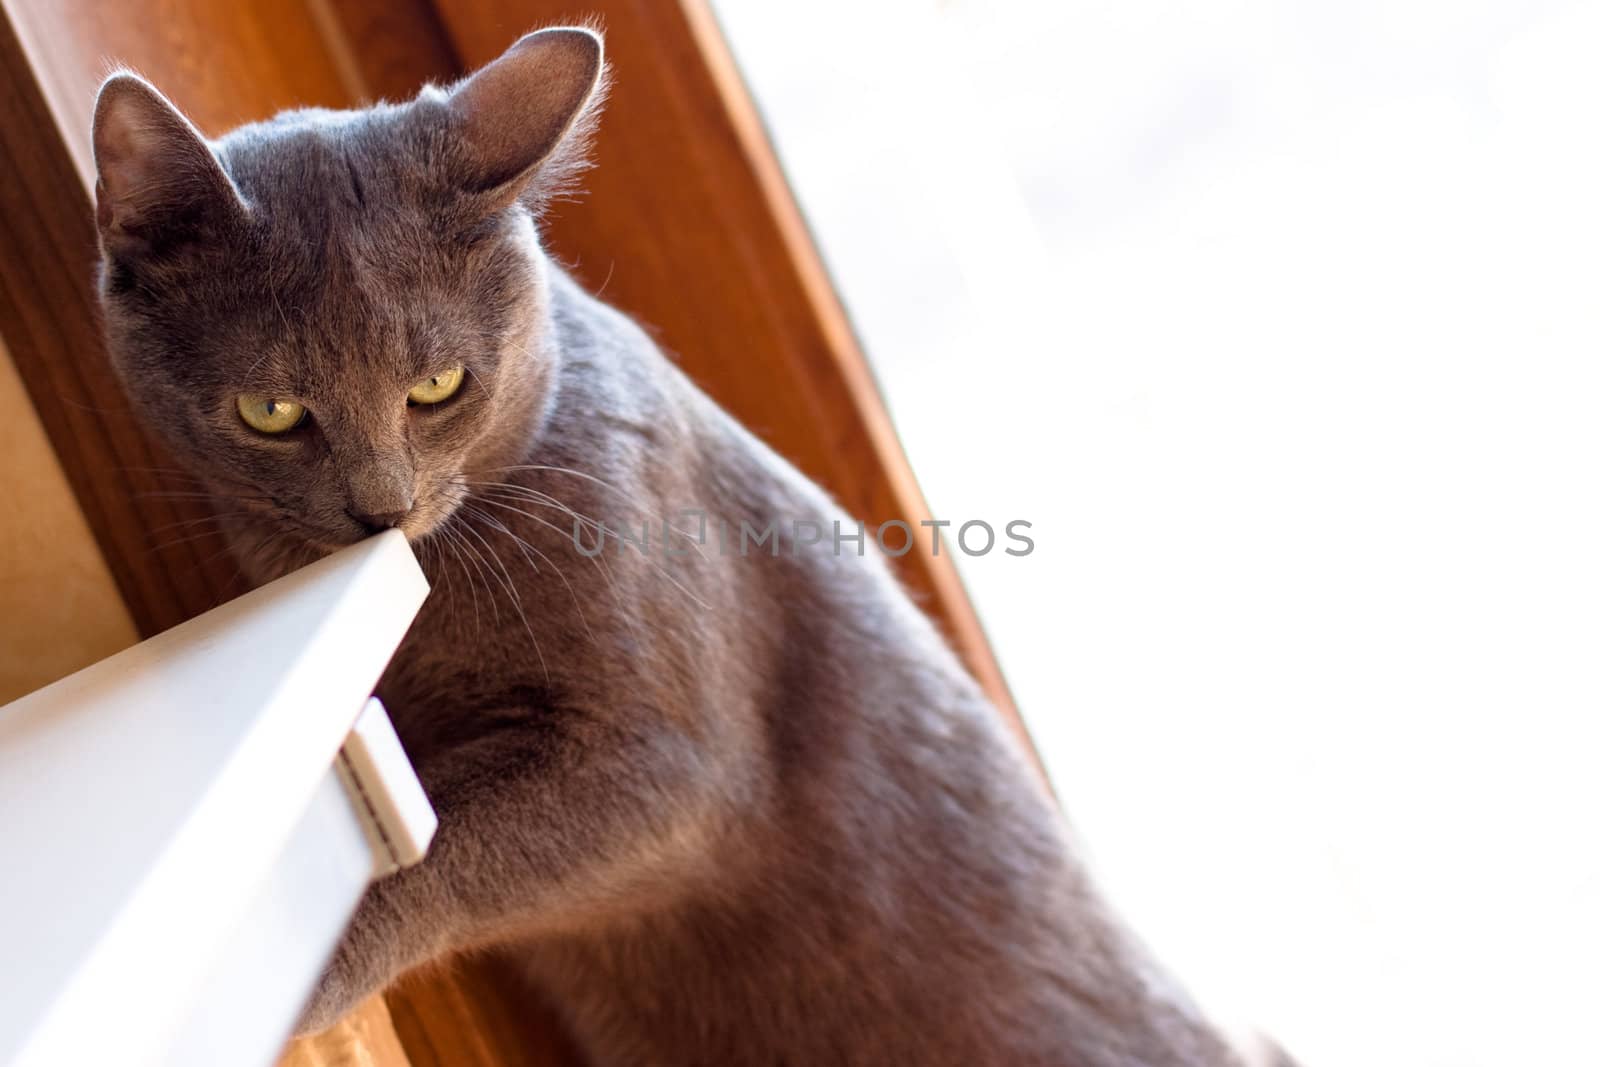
<point x="158" y="183"/>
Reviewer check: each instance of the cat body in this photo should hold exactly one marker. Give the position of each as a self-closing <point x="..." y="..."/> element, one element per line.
<point x="723" y="804"/>
<point x="824" y="847"/>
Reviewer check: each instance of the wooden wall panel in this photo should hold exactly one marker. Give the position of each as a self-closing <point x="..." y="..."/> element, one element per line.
<point x="364" y="1038"/>
<point x="48" y="318"/>
<point x="394" y="46"/>
<point x="59" y="608"/>
<point x="224" y="63"/>
<point x="477" y="1013"/>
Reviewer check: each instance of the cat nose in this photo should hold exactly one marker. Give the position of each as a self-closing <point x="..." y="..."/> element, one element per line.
<point x="379" y="492"/>
<point x="377" y="522"/>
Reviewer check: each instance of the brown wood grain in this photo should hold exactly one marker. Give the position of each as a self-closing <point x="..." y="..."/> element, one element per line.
<point x="223" y="63"/>
<point x="395" y="45"/>
<point x="364" y="1038"/>
<point x="477" y="1013"/>
<point x="49" y="319"/>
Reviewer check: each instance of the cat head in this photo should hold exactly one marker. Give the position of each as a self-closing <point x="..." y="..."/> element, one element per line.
<point x="335" y="317"/>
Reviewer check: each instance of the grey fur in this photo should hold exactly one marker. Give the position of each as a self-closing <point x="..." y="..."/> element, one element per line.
<point x="724" y="809"/>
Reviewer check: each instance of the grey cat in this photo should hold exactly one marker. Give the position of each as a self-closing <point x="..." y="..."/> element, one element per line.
<point x="724" y="807"/>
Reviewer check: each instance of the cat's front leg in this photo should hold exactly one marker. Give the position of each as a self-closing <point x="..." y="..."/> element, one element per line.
<point x="540" y="813"/>
<point x="380" y="942"/>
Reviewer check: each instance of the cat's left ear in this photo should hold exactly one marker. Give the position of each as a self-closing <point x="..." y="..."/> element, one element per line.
<point x="525" y="119"/>
<point x="158" y="182"/>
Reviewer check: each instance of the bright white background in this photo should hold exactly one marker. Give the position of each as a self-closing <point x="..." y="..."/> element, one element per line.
<point x="1280" y="321"/>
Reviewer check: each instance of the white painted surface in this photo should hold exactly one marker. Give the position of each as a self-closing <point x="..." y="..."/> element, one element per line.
<point x="251" y="996"/>
<point x="401" y="822"/>
<point x="146" y="800"/>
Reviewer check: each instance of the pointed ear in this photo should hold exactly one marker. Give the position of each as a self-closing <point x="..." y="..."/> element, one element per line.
<point x="529" y="114"/>
<point x="159" y="184"/>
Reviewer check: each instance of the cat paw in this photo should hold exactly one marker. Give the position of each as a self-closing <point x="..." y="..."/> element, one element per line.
<point x="337" y="991"/>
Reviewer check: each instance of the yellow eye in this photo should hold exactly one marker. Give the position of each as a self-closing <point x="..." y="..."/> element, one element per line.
<point x="269" y="414"/>
<point x="441" y="386"/>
